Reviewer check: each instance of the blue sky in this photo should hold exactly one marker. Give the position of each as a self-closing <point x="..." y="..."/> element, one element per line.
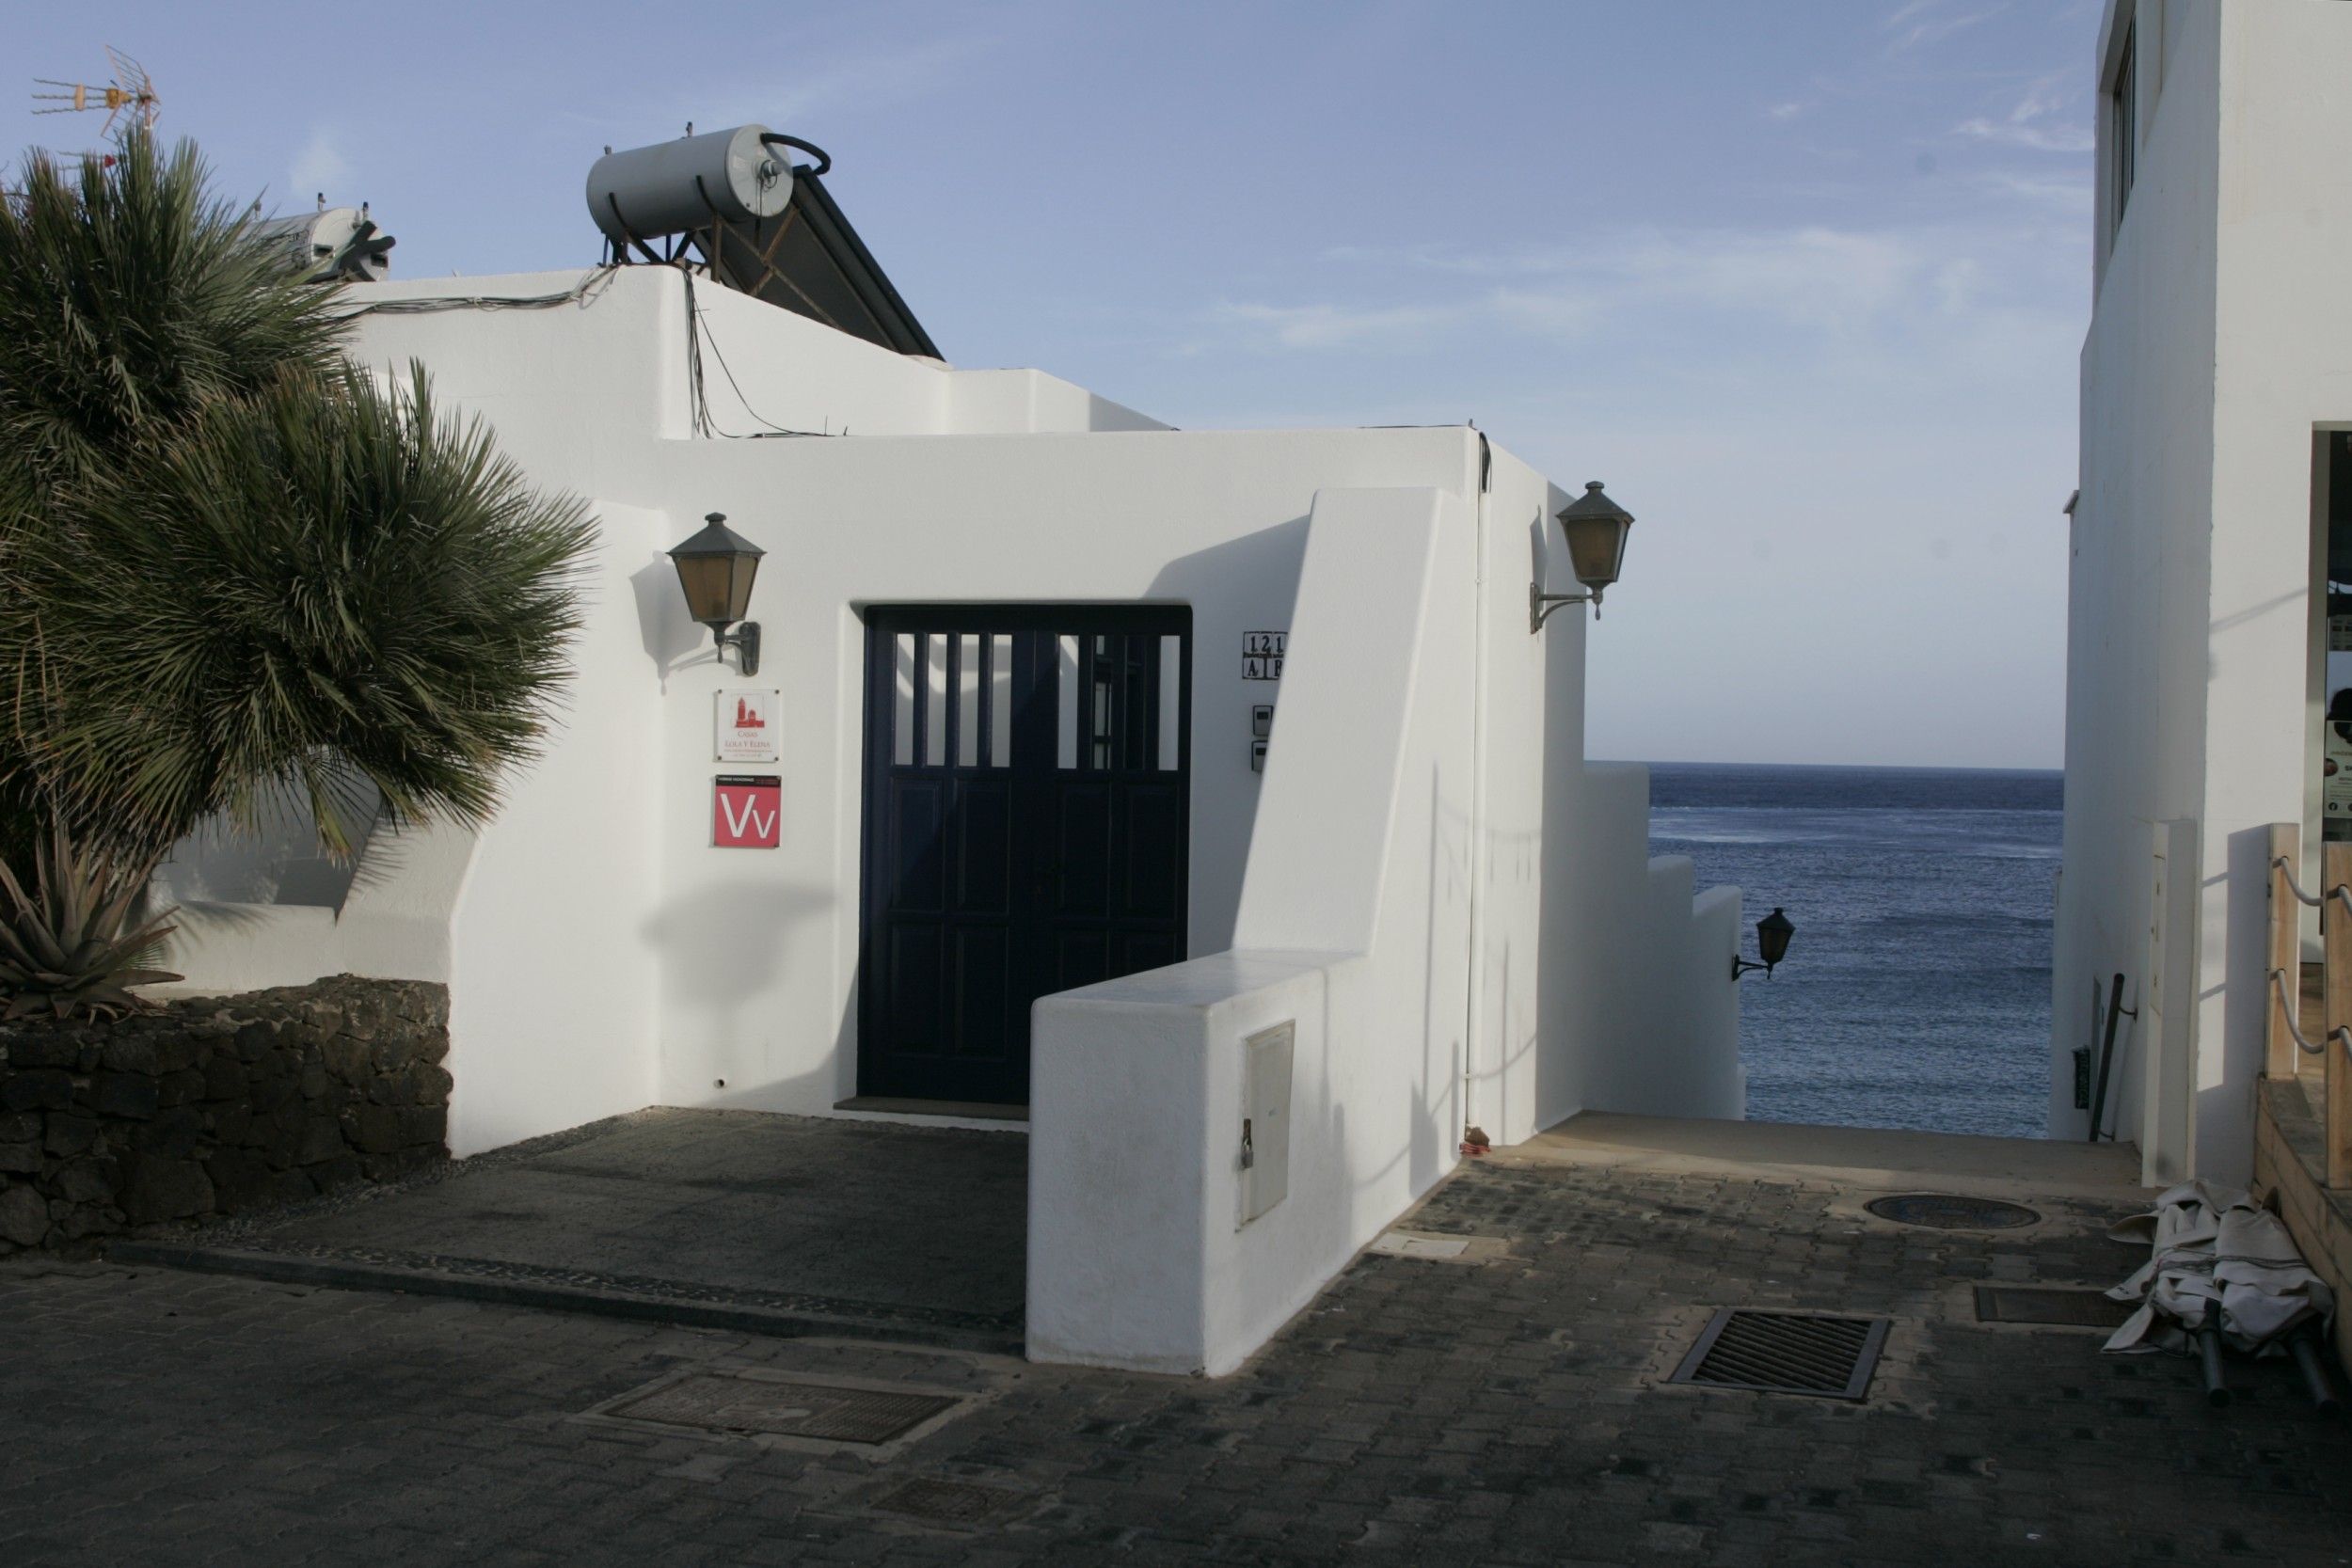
<point x="1803" y="282"/>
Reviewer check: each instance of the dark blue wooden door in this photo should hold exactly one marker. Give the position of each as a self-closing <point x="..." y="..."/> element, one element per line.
<point x="1026" y="819"/>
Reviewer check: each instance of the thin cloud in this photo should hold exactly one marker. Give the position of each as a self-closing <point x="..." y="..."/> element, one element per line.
<point x="1922" y="23"/>
<point x="2040" y="138"/>
<point x="320" y="168"/>
<point x="1888" y="299"/>
<point x="2035" y="120"/>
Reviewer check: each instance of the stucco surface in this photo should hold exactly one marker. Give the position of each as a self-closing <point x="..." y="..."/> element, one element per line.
<point x="2220" y="343"/>
<point x="1426" y="805"/>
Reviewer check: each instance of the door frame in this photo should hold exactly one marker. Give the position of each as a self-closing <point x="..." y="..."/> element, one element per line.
<point x="1162" y="618"/>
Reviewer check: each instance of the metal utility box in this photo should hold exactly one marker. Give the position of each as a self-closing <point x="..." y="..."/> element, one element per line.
<point x="1265" y="1119"/>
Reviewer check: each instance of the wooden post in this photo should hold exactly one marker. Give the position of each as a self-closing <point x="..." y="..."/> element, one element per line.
<point x="2286" y="952"/>
<point x="2336" y="922"/>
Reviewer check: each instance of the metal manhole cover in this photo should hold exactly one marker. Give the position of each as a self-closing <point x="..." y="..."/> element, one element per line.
<point x="1786" y="1353"/>
<point x="2042" y="1304"/>
<point x="721" y="1404"/>
<point x="1952" y="1211"/>
<point x="946" y="1502"/>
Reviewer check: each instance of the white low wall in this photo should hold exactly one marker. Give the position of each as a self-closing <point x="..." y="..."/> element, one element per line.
<point x="1639" y="966"/>
<point x="1136" y="1254"/>
<point x="1352" y="927"/>
<point x="1355" y="928"/>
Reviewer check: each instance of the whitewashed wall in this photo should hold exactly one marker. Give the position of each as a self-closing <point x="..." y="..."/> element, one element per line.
<point x="1354" y="928"/>
<point x="1395" y="855"/>
<point x="605" y="956"/>
<point x="2221" y="340"/>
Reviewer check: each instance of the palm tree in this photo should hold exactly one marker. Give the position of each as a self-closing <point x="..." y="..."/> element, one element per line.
<point x="236" y="574"/>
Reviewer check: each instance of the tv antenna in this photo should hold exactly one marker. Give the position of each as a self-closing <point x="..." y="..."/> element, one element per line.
<point x="130" y="98"/>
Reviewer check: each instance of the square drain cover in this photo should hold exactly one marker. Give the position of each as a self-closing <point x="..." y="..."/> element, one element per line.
<point x="1786" y="1353"/>
<point x="946" y="1502"/>
<point x="2042" y="1304"/>
<point x="721" y="1404"/>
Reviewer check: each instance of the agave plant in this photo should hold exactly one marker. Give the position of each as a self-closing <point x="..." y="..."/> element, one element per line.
<point x="79" y="938"/>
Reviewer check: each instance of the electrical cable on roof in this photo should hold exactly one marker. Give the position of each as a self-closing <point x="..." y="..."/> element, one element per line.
<point x="698" y="394"/>
<point x="582" y="293"/>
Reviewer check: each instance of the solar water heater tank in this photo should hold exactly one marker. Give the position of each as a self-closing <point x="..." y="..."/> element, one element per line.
<point x="674" y="186"/>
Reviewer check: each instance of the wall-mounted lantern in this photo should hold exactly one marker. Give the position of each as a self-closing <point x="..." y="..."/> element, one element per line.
<point x="716" y="568"/>
<point x="1772" y="946"/>
<point x="1595" y="528"/>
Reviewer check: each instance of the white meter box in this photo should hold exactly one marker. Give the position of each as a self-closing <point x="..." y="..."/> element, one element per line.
<point x="746" y="726"/>
<point x="1265" y="1119"/>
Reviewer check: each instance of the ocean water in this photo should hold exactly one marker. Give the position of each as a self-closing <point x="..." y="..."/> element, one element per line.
<point x="1916" y="991"/>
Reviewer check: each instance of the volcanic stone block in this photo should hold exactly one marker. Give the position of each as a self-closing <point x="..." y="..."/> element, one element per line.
<point x="125" y="1094"/>
<point x="128" y="1052"/>
<point x="31" y="1045"/>
<point x="321" y="1138"/>
<point x="174" y="1134"/>
<point x="17" y="1126"/>
<point x="155" y="1188"/>
<point x="25" y="1158"/>
<point x="340" y="1171"/>
<point x="85" y="1219"/>
<point x="87" y="1180"/>
<point x="242" y="1179"/>
<point x="224" y="1077"/>
<point x="256" y="1040"/>
<point x="70" y="1132"/>
<point x="375" y="1129"/>
<point x="24" y="1216"/>
<point x="347" y="1059"/>
<point x="38" y="1088"/>
<point x="181" y="1088"/>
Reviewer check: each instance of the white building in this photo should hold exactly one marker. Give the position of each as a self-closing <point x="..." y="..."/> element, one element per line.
<point x="1013" y="846"/>
<point x="2215" y="500"/>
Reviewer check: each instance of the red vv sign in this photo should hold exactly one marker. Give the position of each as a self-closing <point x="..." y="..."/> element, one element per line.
<point x="747" y="810"/>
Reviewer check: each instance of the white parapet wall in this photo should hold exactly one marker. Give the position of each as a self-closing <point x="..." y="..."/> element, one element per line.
<point x="1352" y="931"/>
<point x="1353" y="951"/>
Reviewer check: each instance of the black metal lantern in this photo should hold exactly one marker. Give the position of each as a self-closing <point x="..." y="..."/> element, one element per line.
<point x="1772" y="946"/>
<point x="715" y="568"/>
<point x="1595" y="528"/>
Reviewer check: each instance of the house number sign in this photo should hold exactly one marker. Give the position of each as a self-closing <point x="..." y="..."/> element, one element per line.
<point x="1262" y="655"/>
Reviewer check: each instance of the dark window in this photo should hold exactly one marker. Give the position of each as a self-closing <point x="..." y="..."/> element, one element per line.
<point x="2123" y="119"/>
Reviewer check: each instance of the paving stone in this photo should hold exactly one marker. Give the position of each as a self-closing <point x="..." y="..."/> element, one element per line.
<point x="1503" y="1413"/>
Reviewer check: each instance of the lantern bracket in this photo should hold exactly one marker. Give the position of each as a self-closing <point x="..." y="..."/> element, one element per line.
<point x="1540" y="605"/>
<point x="744" y="640"/>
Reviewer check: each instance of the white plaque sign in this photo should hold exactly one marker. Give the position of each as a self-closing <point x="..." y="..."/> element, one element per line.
<point x="746" y="728"/>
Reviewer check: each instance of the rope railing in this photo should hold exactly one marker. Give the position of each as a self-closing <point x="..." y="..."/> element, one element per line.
<point x="2341" y="1032"/>
<point x="2286" y="873"/>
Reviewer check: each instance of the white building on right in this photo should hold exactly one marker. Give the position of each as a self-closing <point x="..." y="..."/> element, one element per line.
<point x="2211" y="535"/>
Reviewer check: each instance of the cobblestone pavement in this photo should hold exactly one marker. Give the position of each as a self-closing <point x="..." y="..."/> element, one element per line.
<point x="1501" y="1412"/>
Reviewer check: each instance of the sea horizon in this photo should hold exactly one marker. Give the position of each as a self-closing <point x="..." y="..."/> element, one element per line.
<point x="1916" y="991"/>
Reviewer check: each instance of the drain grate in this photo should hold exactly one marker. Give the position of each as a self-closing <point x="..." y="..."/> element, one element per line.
<point x="1786" y="1353"/>
<point x="946" y="1502"/>
<point x="2042" y="1304"/>
<point x="1952" y="1211"/>
<point x="721" y="1404"/>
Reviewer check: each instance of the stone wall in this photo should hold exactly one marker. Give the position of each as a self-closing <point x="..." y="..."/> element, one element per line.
<point x="2289" y="1163"/>
<point x="211" y="1106"/>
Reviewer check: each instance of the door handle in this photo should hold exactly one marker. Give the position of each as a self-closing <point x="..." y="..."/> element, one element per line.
<point x="1248" y="1150"/>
